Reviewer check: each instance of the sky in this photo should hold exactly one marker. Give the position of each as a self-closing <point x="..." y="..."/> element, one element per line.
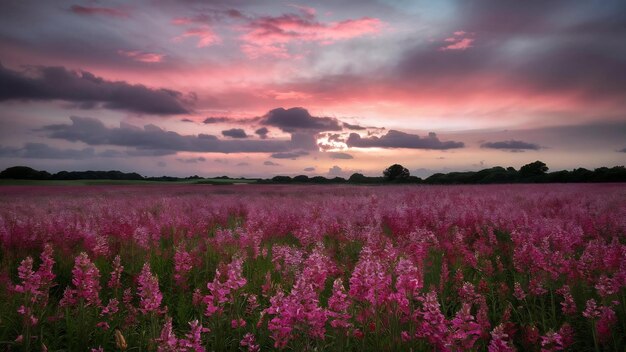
<point x="262" y="88"/>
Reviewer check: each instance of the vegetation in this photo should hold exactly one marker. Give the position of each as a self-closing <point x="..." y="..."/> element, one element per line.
<point x="191" y="268"/>
<point x="535" y="172"/>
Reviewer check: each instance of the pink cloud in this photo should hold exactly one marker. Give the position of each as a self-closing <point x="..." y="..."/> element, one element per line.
<point x="90" y="11"/>
<point x="142" y="56"/>
<point x="269" y="35"/>
<point x="205" y="35"/>
<point x="460" y="40"/>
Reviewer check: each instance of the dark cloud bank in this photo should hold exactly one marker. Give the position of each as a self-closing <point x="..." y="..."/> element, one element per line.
<point x="88" y="90"/>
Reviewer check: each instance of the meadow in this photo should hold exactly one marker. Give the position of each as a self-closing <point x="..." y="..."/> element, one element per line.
<point x="313" y="268"/>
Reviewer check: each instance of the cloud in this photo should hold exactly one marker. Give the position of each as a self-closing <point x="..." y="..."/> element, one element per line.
<point x="52" y="83"/>
<point x="338" y="155"/>
<point x="142" y="56"/>
<point x="44" y="151"/>
<point x="397" y="139"/>
<point x="93" y="11"/>
<point x="335" y="171"/>
<point x="460" y="40"/>
<point x="161" y="164"/>
<point x="210" y="120"/>
<point x="354" y="127"/>
<point x="269" y="35"/>
<point x="206" y="36"/>
<point x="243" y="163"/>
<point x="299" y="119"/>
<point x="622" y="150"/>
<point x="309" y="169"/>
<point x="262" y="132"/>
<point x="192" y="160"/>
<point x="235" y="133"/>
<point x="289" y="155"/>
<point x="512" y="145"/>
<point x="153" y="139"/>
<point x="270" y="163"/>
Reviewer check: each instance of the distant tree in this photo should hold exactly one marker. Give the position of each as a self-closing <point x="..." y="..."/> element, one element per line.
<point x="357" y="178"/>
<point x="301" y="178"/>
<point x="281" y="179"/>
<point x="534" y="169"/>
<point x="24" y="173"/>
<point x="396" y="172"/>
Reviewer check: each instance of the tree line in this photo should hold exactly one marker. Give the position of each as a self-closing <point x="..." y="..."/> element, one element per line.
<point x="535" y="172"/>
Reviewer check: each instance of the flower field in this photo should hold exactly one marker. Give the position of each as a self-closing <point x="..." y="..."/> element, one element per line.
<point x="304" y="268"/>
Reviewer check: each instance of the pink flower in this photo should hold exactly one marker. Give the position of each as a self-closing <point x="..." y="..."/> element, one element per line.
<point x="465" y="331"/>
<point x="116" y="273"/>
<point x="111" y="308"/>
<point x="605" y="323"/>
<point x="249" y="342"/>
<point x="237" y="323"/>
<point x="551" y="342"/>
<point x="568" y="306"/>
<point x="369" y="281"/>
<point x="223" y="292"/>
<point x="86" y="281"/>
<point x="432" y="323"/>
<point x="182" y="266"/>
<point x="150" y="296"/>
<point x="338" y="305"/>
<point x="518" y="292"/>
<point x="500" y="341"/>
<point x="591" y="310"/>
<point x="409" y="280"/>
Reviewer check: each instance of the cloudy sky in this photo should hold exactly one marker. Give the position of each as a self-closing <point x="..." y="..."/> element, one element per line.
<point x="259" y="88"/>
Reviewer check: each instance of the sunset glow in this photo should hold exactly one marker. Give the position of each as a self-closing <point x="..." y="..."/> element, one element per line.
<point x="262" y="88"/>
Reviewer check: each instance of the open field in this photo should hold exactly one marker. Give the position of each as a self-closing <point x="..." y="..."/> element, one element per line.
<point x="191" y="268"/>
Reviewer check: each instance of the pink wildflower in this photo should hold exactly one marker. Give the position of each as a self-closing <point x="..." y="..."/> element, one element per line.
<point x="150" y="296"/>
<point x="182" y="266"/>
<point x="249" y="342"/>
<point x="465" y="331"/>
<point x="86" y="281"/>
<point x="338" y="305"/>
<point x="568" y="306"/>
<point x="500" y="341"/>
<point x="237" y="323"/>
<point x="551" y="342"/>
<point x="116" y="273"/>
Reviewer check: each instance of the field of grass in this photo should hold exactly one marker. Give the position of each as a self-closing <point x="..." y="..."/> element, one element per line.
<point x="182" y="267"/>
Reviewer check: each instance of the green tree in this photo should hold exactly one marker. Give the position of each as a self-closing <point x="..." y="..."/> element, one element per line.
<point x="396" y="172"/>
<point x="534" y="169"/>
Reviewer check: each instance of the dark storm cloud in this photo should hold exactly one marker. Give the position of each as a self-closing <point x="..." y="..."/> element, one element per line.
<point x="210" y="120"/>
<point x="541" y="47"/>
<point x="354" y="127"/>
<point x="59" y="83"/>
<point x="339" y="155"/>
<point x="289" y="155"/>
<point x="235" y="133"/>
<point x="511" y="145"/>
<point x="299" y="119"/>
<point x="93" y="11"/>
<point x="192" y="160"/>
<point x="151" y="138"/>
<point x="262" y="132"/>
<point x="44" y="151"/>
<point x="397" y="139"/>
